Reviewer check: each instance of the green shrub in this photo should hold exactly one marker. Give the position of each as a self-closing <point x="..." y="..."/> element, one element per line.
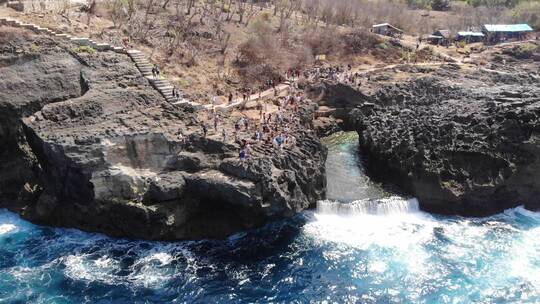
<point x="383" y="45"/>
<point x="183" y="82"/>
<point x="34" y="47"/>
<point x="84" y="49"/>
<point x="522" y="51"/>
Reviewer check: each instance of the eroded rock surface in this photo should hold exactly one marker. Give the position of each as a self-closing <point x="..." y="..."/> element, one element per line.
<point x="89" y="144"/>
<point x="462" y="141"/>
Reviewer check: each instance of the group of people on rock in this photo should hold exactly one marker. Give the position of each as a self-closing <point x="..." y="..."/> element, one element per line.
<point x="272" y="130"/>
<point x="275" y="129"/>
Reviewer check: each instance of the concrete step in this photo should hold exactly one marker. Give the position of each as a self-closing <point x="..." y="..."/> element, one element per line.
<point x="103" y="46"/>
<point x="144" y="65"/>
<point x="160" y="81"/>
<point x="162" y="84"/>
<point x="143" y="62"/>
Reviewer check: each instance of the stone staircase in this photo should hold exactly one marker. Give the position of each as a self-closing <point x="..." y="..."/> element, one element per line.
<point x="76" y="40"/>
<point x="145" y="67"/>
<point x="163" y="86"/>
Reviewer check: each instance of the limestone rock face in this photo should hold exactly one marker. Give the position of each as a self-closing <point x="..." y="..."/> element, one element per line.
<point x="463" y="142"/>
<point x="91" y="145"/>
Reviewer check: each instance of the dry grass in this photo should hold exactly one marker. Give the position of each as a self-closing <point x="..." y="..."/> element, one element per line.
<point x="196" y="55"/>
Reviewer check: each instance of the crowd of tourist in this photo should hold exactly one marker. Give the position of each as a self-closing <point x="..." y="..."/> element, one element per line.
<point x="278" y="116"/>
<point x="272" y="129"/>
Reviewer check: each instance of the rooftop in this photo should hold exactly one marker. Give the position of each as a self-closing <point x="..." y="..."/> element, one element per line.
<point x="388" y="25"/>
<point x="443" y="33"/>
<point x="476" y="34"/>
<point x="507" y="28"/>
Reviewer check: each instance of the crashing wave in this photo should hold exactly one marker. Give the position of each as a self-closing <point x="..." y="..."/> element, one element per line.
<point x="6" y="228"/>
<point x="384" y="206"/>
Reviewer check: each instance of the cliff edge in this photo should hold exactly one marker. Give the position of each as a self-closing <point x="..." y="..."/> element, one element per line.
<point x="88" y="143"/>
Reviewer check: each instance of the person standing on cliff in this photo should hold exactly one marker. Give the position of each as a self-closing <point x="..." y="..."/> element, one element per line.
<point x="156" y="68"/>
<point x="242" y="155"/>
<point x="154" y="72"/>
<point x="175" y="93"/>
<point x="126" y="43"/>
<point x="204" y="129"/>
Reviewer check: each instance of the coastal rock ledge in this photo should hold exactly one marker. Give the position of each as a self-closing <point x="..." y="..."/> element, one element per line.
<point x="463" y="141"/>
<point x="88" y="143"/>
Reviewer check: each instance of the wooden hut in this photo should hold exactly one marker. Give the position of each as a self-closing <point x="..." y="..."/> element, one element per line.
<point x="470" y="37"/>
<point x="440" y="37"/>
<point x="386" y="29"/>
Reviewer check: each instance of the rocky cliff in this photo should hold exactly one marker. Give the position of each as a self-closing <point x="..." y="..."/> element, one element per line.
<point x="87" y="143"/>
<point x="464" y="141"/>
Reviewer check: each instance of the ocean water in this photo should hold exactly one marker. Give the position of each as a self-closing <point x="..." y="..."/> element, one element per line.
<point x="362" y="245"/>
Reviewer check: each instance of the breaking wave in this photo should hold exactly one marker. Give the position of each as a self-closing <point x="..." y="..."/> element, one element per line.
<point x="383" y="206"/>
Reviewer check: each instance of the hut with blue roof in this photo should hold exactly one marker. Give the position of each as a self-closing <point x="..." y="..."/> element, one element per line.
<point x="501" y="32"/>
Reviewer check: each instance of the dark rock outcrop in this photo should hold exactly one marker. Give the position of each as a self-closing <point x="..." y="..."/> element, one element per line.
<point x="463" y="142"/>
<point x="89" y="144"/>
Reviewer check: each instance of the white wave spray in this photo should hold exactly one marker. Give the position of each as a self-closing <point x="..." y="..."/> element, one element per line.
<point x="383" y="206"/>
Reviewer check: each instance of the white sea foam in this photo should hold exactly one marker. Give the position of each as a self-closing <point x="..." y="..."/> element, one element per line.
<point x="82" y="267"/>
<point x="7" y="228"/>
<point x="384" y="206"/>
<point x="525" y="262"/>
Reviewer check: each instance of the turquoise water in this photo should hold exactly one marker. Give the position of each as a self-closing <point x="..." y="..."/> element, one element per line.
<point x="377" y="248"/>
